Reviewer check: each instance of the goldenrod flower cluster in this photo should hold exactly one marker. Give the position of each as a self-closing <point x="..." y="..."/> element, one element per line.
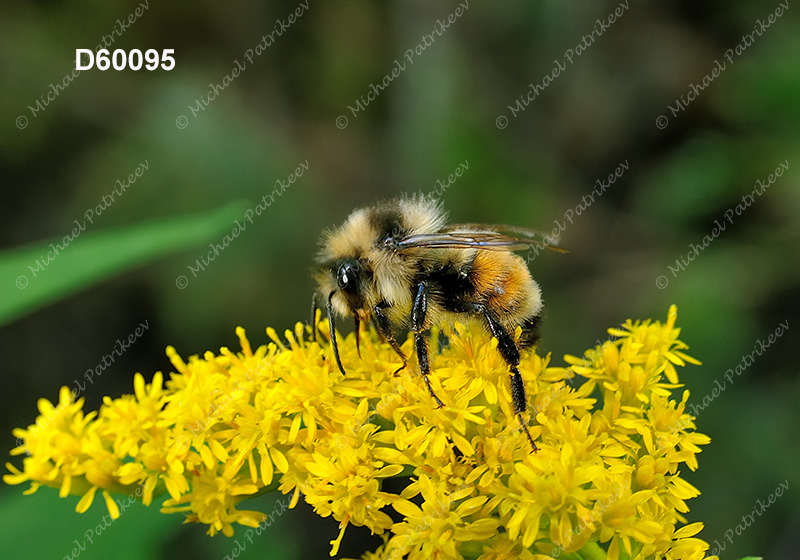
<point x="605" y="483"/>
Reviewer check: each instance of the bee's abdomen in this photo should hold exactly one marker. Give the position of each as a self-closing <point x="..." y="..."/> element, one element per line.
<point x="498" y="281"/>
<point x="504" y="284"/>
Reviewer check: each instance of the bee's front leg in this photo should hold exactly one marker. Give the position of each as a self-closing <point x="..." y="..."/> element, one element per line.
<point x="419" y="314"/>
<point x="382" y="321"/>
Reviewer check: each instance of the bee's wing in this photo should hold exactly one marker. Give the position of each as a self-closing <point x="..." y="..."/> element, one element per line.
<point x="485" y="239"/>
<point x="544" y="237"/>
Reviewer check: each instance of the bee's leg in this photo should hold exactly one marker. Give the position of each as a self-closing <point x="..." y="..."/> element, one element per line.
<point x="358" y="335"/>
<point x="334" y="343"/>
<point x="419" y="313"/>
<point x="510" y="353"/>
<point x="382" y="321"/>
<point x="314" y="317"/>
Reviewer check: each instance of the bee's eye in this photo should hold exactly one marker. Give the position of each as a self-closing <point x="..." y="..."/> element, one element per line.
<point x="347" y="276"/>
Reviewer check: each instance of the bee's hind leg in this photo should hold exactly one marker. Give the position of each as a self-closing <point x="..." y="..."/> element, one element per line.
<point x="419" y="313"/>
<point x="510" y="353"/>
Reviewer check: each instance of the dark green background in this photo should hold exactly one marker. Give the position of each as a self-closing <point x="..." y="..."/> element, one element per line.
<point x="439" y="112"/>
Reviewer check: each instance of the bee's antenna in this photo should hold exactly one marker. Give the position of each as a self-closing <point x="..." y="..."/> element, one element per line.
<point x="314" y="317"/>
<point x="333" y="334"/>
<point x="358" y="331"/>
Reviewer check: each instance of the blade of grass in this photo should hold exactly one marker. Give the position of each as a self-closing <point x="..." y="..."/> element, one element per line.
<point x="39" y="274"/>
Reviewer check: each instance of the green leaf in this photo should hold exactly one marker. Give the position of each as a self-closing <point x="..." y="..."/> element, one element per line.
<point x="40" y="274"/>
<point x="42" y="526"/>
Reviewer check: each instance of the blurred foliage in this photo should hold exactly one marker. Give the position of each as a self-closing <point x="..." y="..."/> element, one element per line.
<point x="439" y="112"/>
<point x="96" y="257"/>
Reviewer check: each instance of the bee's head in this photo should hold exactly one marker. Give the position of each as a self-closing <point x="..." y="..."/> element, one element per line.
<point x="346" y="285"/>
<point x="349" y="281"/>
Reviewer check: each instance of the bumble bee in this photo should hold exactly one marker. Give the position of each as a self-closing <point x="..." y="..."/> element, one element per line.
<point x="400" y="265"/>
